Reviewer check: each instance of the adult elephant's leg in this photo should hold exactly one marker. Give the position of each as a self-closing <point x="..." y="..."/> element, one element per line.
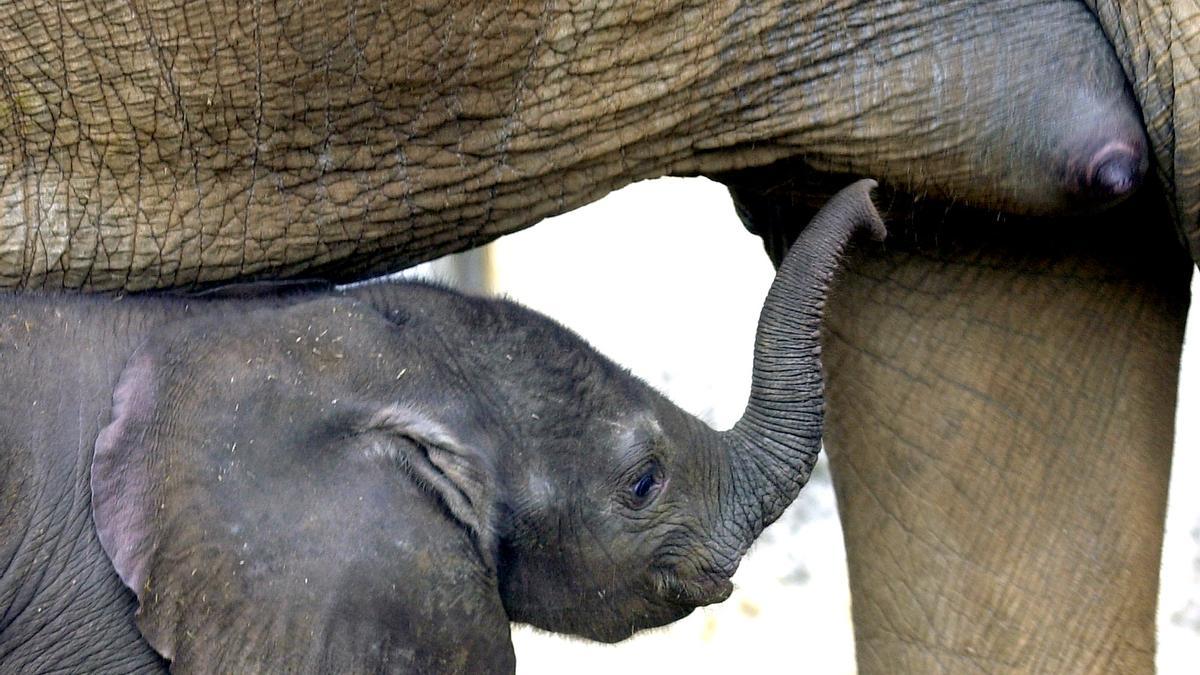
<point x="1000" y="429"/>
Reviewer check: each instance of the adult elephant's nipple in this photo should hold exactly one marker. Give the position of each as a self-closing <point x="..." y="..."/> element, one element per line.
<point x="1112" y="172"/>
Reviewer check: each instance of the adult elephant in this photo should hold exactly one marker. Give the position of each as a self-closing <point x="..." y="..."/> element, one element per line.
<point x="160" y="144"/>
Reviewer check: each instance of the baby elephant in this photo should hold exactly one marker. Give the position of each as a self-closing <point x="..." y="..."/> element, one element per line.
<point x="374" y="479"/>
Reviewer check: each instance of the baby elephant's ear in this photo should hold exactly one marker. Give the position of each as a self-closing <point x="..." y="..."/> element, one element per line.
<point x="292" y="490"/>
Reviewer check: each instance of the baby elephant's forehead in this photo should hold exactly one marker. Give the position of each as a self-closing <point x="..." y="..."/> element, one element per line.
<point x="589" y="458"/>
<point x="595" y="448"/>
<point x="636" y="428"/>
<point x="629" y="439"/>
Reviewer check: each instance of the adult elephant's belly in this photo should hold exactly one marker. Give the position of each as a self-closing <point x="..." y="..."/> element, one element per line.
<point x="184" y="145"/>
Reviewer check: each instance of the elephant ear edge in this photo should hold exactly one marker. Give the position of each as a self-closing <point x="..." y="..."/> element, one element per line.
<point x="121" y="491"/>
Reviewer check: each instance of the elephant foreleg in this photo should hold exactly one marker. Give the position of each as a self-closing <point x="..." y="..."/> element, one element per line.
<point x="1000" y="430"/>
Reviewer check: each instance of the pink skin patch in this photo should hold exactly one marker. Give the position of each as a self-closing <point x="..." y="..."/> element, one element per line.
<point x="120" y="476"/>
<point x="1115" y="170"/>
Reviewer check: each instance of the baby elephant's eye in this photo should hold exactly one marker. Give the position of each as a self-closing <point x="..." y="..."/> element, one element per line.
<point x="646" y="487"/>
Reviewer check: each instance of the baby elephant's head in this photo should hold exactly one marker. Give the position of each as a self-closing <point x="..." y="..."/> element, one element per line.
<point x="622" y="512"/>
<point x="619" y="515"/>
<point x="393" y="464"/>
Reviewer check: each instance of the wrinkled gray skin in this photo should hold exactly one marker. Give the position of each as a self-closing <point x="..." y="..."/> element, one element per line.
<point x="143" y="146"/>
<point x="170" y="144"/>
<point x="377" y="478"/>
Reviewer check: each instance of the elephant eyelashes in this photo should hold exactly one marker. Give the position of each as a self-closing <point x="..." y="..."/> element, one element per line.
<point x="646" y="487"/>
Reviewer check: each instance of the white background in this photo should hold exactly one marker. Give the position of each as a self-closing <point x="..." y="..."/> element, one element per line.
<point x="662" y="277"/>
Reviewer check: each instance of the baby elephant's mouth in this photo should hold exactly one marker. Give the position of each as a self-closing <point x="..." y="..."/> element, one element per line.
<point x="705" y="588"/>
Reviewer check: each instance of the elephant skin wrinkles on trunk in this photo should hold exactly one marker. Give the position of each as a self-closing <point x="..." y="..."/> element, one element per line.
<point x="374" y="479"/>
<point x="175" y="144"/>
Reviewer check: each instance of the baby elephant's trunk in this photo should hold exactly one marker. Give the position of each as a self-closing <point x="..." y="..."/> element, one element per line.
<point x="773" y="447"/>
